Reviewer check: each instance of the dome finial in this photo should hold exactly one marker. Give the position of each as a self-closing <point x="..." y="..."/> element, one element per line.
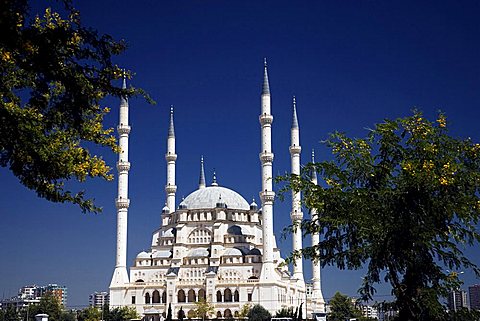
<point x="214" y="183"/>
<point x="201" y="182"/>
<point x="171" y="129"/>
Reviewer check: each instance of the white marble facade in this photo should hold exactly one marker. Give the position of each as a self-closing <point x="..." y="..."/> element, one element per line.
<point x="212" y="247"/>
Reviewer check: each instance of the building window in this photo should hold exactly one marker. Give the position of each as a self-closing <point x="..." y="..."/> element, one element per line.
<point x="133" y="299"/>
<point x="181" y="296"/>
<point x="201" y="295"/>
<point x="219" y="297"/>
<point x="228" y="296"/>
<point x="192" y="296"/>
<point x="236" y="296"/>
<point x="147" y="298"/>
<point x="156" y="297"/>
<point x="249" y="297"/>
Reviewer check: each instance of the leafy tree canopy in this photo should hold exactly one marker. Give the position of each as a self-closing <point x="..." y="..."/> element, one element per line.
<point x="54" y="74"/>
<point x="49" y="304"/>
<point x="121" y="314"/>
<point x="403" y="202"/>
<point x="259" y="313"/>
<point x="342" y="308"/>
<point x="203" y="309"/>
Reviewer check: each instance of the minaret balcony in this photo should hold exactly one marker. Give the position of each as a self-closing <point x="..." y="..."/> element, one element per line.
<point x="170" y="189"/>
<point x="123" y="129"/>
<point x="266" y="119"/>
<point x="170" y="157"/>
<point x="266" y="157"/>
<point x="295" y="149"/>
<point x="122" y="203"/>
<point x="296" y="216"/>
<point x="267" y="196"/>
<point x="123" y="166"/>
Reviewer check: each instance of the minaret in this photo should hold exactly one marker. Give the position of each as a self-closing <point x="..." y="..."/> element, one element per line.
<point x="201" y="181"/>
<point x="296" y="215"/>
<point x="171" y="157"/>
<point x="317" y="296"/>
<point x="267" y="195"/>
<point x="120" y="275"/>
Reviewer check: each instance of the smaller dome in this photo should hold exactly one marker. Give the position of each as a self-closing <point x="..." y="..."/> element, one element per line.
<point x="165" y="209"/>
<point x="235" y="230"/>
<point x="220" y="203"/>
<point x="233" y="252"/>
<point x="162" y="254"/>
<point x="143" y="255"/>
<point x="253" y="205"/>
<point x="168" y="233"/>
<point x="200" y="252"/>
<point x="254" y="252"/>
<point x="182" y="205"/>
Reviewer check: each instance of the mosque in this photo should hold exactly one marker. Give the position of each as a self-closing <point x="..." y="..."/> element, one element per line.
<point x="214" y="245"/>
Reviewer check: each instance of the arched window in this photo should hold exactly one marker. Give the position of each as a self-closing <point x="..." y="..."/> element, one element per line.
<point x="236" y="314"/>
<point x="181" y="296"/>
<point x="227" y="298"/>
<point x="227" y="314"/>
<point x="156" y="297"/>
<point x="219" y="314"/>
<point x="219" y="299"/>
<point x="164" y="297"/>
<point x="192" y="297"/>
<point x="202" y="295"/>
<point x="147" y="298"/>
<point x="236" y="296"/>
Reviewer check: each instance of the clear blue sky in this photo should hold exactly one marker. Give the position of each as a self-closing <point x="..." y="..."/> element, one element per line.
<point x="349" y="63"/>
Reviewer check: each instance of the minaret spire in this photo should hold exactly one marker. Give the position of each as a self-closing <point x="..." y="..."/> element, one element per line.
<point x="267" y="195"/>
<point x="171" y="157"/>
<point x="171" y="128"/>
<point x="120" y="275"/>
<point x="266" y="86"/>
<point x="317" y="296"/>
<point x="201" y="181"/>
<point x="296" y="214"/>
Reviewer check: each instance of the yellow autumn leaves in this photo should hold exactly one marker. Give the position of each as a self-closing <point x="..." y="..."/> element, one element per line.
<point x="445" y="174"/>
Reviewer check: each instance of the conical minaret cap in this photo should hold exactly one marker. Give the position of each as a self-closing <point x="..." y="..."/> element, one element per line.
<point x="314" y="172"/>
<point x="201" y="181"/>
<point x="171" y="129"/>
<point x="266" y="86"/>
<point x="294" y="118"/>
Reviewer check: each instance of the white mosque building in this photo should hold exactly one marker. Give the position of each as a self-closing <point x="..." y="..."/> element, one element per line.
<point x="214" y="245"/>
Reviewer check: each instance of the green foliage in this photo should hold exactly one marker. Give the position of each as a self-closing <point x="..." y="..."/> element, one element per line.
<point x="342" y="308"/>
<point x="245" y="310"/>
<point x="463" y="314"/>
<point x="90" y="314"/>
<point x="50" y="305"/>
<point x="203" y="309"/>
<point x="120" y="314"/>
<point x="285" y="313"/>
<point x="9" y="314"/>
<point x="169" y="313"/>
<point x="54" y="74"/>
<point x="181" y="314"/>
<point x="259" y="313"/>
<point x="404" y="202"/>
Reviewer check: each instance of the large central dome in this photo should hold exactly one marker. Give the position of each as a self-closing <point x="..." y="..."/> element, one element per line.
<point x="208" y="197"/>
